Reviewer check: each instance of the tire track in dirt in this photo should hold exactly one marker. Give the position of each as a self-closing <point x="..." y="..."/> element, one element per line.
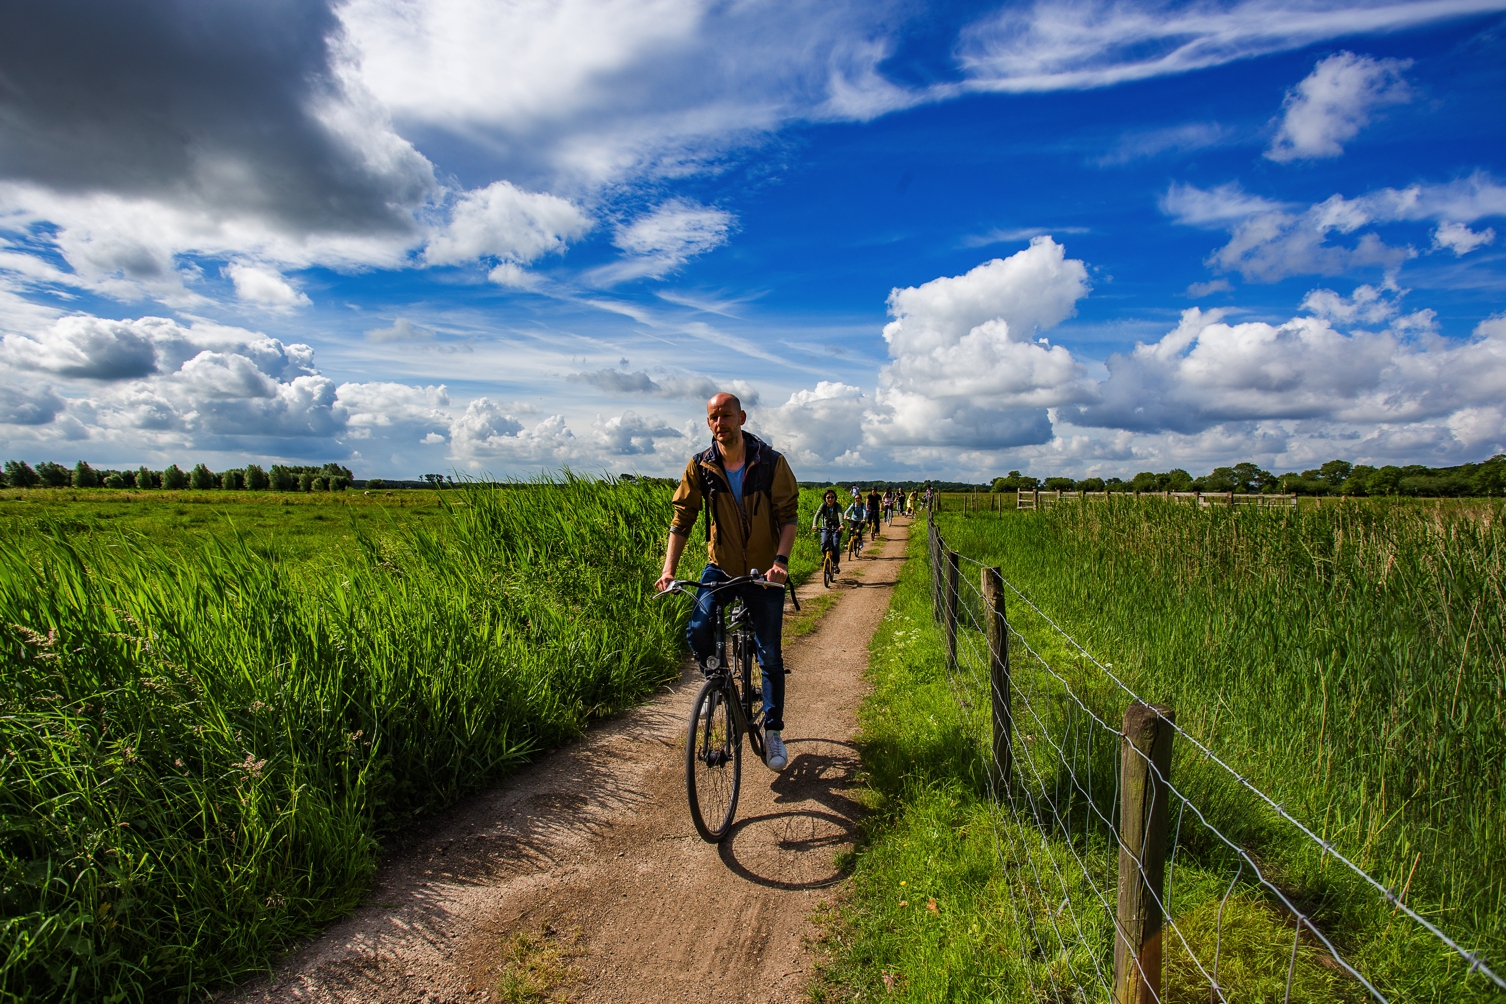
<point x="596" y="841"/>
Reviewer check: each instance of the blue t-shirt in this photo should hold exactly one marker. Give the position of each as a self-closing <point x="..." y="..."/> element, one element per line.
<point x="735" y="479"/>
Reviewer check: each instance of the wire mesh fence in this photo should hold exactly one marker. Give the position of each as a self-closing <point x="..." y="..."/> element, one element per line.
<point x="1126" y="883"/>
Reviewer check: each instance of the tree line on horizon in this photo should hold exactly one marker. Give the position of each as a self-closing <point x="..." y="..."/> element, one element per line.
<point x="252" y="477"/>
<point x="1337" y="477"/>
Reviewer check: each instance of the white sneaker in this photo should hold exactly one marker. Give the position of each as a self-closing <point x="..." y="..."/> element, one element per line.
<point x="773" y="751"/>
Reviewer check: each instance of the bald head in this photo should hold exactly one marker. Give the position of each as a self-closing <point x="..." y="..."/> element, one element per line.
<point x="725" y="417"/>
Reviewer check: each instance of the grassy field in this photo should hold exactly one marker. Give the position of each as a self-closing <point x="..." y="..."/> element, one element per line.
<point x="1347" y="659"/>
<point x="306" y="526"/>
<point x="214" y="706"/>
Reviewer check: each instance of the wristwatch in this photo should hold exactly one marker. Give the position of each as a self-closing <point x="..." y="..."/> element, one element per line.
<point x="781" y="559"/>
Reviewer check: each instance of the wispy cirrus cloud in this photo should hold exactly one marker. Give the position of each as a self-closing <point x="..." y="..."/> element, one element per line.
<point x="1055" y="45"/>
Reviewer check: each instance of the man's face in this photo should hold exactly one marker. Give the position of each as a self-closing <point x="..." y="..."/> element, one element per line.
<point x="725" y="419"/>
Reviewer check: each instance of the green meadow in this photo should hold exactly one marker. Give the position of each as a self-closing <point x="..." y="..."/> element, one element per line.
<point x="215" y="706"/>
<point x="1348" y="660"/>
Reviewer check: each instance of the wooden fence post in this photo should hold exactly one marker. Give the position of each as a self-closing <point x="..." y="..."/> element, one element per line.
<point x="1142" y="852"/>
<point x="935" y="552"/>
<point x="998" y="675"/>
<point x="951" y="608"/>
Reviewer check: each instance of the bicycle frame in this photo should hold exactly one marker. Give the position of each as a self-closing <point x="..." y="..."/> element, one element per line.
<point x="737" y="615"/>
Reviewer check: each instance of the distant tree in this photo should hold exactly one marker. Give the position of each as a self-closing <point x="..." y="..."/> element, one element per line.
<point x="232" y="480"/>
<point x="338" y="483"/>
<point x="84" y="476"/>
<point x="378" y="483"/>
<point x="1016" y="482"/>
<point x="1145" y="481"/>
<point x="114" y="480"/>
<point x="146" y="479"/>
<point x="319" y="483"/>
<point x="1060" y="484"/>
<point x="336" y="471"/>
<point x="1489" y="478"/>
<point x="1358" y="482"/>
<point x="282" y="479"/>
<point x="1116" y="485"/>
<point x="200" y="478"/>
<point x="255" y="479"/>
<point x="1386" y="481"/>
<point x="1177" y="480"/>
<point x="54" y="475"/>
<point x="18" y="474"/>
<point x="1089" y="485"/>
<point x="1335" y="472"/>
<point x="306" y="481"/>
<point x="174" y="479"/>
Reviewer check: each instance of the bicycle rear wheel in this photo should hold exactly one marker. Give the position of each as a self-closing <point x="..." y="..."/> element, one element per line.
<point x="713" y="763"/>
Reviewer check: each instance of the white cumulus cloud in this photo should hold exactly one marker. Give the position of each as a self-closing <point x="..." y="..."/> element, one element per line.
<point x="264" y="287"/>
<point x="968" y="363"/>
<point x="1334" y="103"/>
<point x="1460" y="239"/>
<point x="501" y="221"/>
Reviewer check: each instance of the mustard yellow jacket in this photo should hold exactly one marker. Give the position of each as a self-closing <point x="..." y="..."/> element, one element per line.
<point x="746" y="536"/>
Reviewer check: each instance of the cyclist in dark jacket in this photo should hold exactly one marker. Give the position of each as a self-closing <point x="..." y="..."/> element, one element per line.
<point x="875" y="503"/>
<point x="752" y="508"/>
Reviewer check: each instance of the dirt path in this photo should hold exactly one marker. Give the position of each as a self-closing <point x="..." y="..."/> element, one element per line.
<point x="595" y="842"/>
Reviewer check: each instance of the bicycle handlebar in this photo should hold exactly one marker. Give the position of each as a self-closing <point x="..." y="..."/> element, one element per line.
<point x="755" y="576"/>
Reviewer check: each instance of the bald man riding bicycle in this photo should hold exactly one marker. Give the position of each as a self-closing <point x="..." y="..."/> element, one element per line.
<point x="753" y="510"/>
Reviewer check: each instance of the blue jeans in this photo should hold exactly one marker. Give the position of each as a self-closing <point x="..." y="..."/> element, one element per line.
<point x="831" y="540"/>
<point x="766" y="604"/>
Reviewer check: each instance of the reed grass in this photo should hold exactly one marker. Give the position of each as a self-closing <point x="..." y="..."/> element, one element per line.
<point x="1347" y="659"/>
<point x="201" y="747"/>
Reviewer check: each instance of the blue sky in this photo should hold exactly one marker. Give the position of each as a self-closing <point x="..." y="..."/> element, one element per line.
<point x="920" y="240"/>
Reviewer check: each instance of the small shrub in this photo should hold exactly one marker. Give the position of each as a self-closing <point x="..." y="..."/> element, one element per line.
<point x="114" y="480"/>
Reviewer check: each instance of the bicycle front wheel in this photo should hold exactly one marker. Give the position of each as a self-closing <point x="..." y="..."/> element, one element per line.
<point x="713" y="763"/>
<point x="826" y="575"/>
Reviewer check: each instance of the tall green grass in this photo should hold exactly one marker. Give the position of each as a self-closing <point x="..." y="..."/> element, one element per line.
<point x="201" y="748"/>
<point x="1347" y="660"/>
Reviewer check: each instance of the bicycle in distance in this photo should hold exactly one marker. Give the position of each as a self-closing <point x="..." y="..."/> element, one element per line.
<point x="855" y="539"/>
<point x="728" y="708"/>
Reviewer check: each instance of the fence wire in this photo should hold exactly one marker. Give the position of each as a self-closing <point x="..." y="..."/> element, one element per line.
<point x="1058" y="835"/>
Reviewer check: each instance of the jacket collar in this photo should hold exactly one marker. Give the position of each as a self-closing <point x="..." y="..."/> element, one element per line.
<point x="753" y="448"/>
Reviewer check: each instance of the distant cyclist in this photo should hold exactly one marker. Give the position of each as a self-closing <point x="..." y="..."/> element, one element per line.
<point x="856" y="493"/>
<point x="899" y="502"/>
<point x="875" y="506"/>
<point x="855" y="517"/>
<point x="888" y="506"/>
<point x="828" y="523"/>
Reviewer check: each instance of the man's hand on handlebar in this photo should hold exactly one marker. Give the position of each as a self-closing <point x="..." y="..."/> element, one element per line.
<point x="778" y="574"/>
<point x="664" y="582"/>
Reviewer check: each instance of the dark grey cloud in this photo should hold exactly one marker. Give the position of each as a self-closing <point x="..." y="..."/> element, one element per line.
<point x="185" y="101"/>
<point x="22" y="405"/>
<point x="675" y="386"/>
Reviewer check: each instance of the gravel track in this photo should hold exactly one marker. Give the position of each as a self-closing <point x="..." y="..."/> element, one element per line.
<point x="593" y="846"/>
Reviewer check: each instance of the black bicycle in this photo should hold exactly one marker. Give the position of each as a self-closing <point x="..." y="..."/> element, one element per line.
<point x="726" y="709"/>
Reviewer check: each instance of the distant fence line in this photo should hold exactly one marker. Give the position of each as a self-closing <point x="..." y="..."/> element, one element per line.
<point x="1056" y="825"/>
